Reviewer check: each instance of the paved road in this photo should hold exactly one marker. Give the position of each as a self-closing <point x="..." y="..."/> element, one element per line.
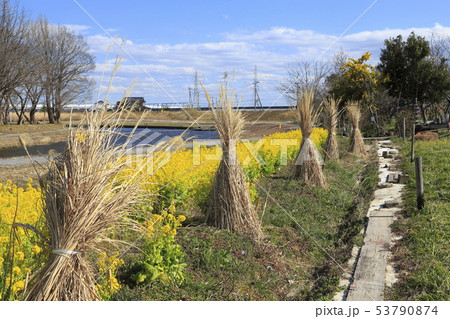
<point x="31" y="133"/>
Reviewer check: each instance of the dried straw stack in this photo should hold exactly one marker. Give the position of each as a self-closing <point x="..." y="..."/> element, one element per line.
<point x="309" y="161"/>
<point x="230" y="206"/>
<point x="84" y="201"/>
<point x="356" y="140"/>
<point x="331" y="145"/>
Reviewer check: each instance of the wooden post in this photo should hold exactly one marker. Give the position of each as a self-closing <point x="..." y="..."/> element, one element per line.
<point x="419" y="183"/>
<point x="404" y="130"/>
<point x="412" y="142"/>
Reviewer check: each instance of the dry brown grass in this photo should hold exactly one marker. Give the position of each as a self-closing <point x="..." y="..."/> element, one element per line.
<point x="331" y="114"/>
<point x="356" y="140"/>
<point x="85" y="199"/>
<point x="43" y="118"/>
<point x="426" y="136"/>
<point x="308" y="163"/>
<point x="230" y="206"/>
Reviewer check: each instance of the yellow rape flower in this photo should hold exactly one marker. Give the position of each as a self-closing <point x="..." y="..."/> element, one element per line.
<point x="20" y="256"/>
<point x="16" y="270"/>
<point x="81" y="137"/>
<point x="181" y="218"/>
<point x="166" y="228"/>
<point x="36" y="249"/>
<point x="18" y="286"/>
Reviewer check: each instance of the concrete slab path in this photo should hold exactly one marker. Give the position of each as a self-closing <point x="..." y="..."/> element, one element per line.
<point x="370" y="274"/>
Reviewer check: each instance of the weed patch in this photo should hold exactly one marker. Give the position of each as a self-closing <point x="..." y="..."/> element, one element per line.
<point x="421" y="256"/>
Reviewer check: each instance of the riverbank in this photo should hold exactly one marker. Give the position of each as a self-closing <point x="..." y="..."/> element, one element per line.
<point x="259" y="123"/>
<point x="15" y="164"/>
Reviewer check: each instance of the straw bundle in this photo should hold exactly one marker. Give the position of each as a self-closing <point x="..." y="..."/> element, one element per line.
<point x="84" y="201"/>
<point x="230" y="206"/>
<point x="331" y="145"/>
<point x="356" y="140"/>
<point x="308" y="163"/>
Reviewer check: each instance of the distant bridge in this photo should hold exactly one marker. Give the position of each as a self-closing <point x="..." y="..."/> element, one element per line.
<point x="180" y="105"/>
<point x="170" y="107"/>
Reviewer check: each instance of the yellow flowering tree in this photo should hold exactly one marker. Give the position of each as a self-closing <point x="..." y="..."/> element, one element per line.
<point x="358" y="81"/>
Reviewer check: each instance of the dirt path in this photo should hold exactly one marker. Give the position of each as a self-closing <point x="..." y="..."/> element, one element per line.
<point x="371" y="272"/>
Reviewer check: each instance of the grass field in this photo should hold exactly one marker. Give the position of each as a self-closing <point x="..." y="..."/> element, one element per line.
<point x="307" y="231"/>
<point x="422" y="255"/>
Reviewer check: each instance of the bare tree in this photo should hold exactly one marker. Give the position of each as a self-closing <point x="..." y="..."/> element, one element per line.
<point x="12" y="54"/>
<point x="18" y="101"/>
<point x="66" y="61"/>
<point x="305" y="76"/>
<point x="440" y="52"/>
<point x="440" y="46"/>
<point x="338" y="61"/>
<point x="30" y="89"/>
<point x="33" y="84"/>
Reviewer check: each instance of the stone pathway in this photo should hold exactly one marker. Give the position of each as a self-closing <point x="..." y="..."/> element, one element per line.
<point x="370" y="274"/>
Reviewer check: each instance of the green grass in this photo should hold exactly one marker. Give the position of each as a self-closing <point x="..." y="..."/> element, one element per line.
<point x="422" y="256"/>
<point x="295" y="260"/>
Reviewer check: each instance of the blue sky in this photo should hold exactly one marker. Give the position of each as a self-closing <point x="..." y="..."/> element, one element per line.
<point x="169" y="39"/>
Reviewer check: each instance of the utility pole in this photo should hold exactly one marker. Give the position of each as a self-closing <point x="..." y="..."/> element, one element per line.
<point x="196" y="97"/>
<point x="256" y="99"/>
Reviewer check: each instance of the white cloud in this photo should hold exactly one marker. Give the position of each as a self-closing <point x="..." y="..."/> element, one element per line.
<point x="77" y="28"/>
<point x="173" y="65"/>
<point x="282" y="36"/>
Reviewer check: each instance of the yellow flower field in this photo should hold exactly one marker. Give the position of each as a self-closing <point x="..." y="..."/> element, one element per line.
<point x="18" y="206"/>
<point x="187" y="174"/>
<point x="179" y="178"/>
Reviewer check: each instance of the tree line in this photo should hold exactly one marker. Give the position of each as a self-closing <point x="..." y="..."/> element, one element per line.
<point x="39" y="62"/>
<point x="412" y="78"/>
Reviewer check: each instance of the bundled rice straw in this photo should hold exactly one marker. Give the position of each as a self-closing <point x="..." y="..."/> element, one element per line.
<point x="230" y="206"/>
<point x="84" y="201"/>
<point x="331" y="145"/>
<point x="356" y="140"/>
<point x="309" y="162"/>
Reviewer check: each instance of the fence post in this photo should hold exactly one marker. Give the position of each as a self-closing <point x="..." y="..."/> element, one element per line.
<point x="412" y="141"/>
<point x="419" y="182"/>
<point x="404" y="130"/>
